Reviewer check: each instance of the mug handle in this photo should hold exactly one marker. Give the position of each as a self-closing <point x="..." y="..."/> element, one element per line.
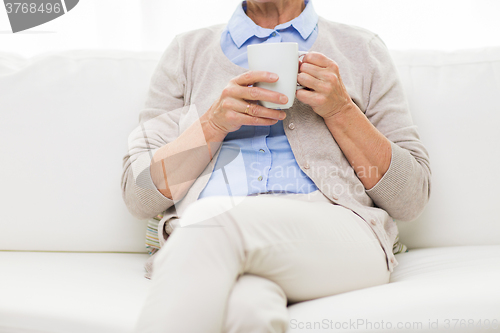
<point x="301" y="54"/>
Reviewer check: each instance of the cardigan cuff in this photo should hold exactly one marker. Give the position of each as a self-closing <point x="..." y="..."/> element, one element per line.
<point x="395" y="178"/>
<point x="145" y="189"/>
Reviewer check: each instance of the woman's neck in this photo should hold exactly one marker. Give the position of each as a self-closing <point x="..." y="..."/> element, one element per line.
<point x="272" y="13"/>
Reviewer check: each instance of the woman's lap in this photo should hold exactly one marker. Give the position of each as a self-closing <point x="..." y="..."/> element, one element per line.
<point x="309" y="249"/>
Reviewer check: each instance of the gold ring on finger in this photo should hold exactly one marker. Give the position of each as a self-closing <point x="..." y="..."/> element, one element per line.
<point x="248" y="108"/>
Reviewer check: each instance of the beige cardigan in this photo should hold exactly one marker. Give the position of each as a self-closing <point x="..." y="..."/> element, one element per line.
<point x="191" y="75"/>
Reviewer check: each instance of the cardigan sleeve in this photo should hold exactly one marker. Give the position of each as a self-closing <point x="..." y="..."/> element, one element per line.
<point x="404" y="189"/>
<point x="158" y="125"/>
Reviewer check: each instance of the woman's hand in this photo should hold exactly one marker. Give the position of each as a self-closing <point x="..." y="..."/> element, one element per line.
<point x="232" y="109"/>
<point x="328" y="95"/>
<point x="367" y="150"/>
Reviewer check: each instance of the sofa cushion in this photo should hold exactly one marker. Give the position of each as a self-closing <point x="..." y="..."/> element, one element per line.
<point x="64" y="131"/>
<point x="428" y="286"/>
<point x="453" y="99"/>
<point x="90" y="292"/>
<point x="71" y="292"/>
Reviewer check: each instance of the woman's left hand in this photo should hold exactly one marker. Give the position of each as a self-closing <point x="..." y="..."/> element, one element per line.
<point x="328" y="95"/>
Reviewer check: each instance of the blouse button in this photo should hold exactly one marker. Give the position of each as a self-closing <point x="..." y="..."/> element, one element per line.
<point x="373" y="222"/>
<point x="291" y="126"/>
<point x="334" y="197"/>
<point x="306" y="166"/>
<point x="392" y="260"/>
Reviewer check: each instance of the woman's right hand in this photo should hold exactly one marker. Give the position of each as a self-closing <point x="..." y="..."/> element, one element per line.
<point x="182" y="161"/>
<point x="234" y="109"/>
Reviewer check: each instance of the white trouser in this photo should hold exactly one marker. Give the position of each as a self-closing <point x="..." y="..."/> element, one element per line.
<point x="235" y="271"/>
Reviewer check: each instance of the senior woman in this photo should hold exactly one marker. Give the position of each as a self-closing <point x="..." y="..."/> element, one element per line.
<point x="306" y="209"/>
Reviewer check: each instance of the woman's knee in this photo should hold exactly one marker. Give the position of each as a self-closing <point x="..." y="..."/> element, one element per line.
<point x="256" y="305"/>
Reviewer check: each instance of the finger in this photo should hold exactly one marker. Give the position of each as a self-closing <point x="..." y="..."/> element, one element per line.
<point x="245" y="119"/>
<point x="309" y="81"/>
<point x="255" y="110"/>
<point x="252" y="109"/>
<point x="313" y="70"/>
<point x="318" y="59"/>
<point x="311" y="98"/>
<point x="258" y="94"/>
<point x="252" y="77"/>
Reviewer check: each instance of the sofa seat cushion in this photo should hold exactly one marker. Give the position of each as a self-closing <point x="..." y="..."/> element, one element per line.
<point x="71" y="292"/>
<point x="104" y="292"/>
<point x="429" y="286"/>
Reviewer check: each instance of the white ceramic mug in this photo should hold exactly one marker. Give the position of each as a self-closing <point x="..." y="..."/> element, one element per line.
<point x="279" y="58"/>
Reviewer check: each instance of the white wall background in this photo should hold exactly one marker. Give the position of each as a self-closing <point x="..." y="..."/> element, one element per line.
<point x="151" y="24"/>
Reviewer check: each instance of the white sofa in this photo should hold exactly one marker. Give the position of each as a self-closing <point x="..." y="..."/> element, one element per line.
<point x="72" y="256"/>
